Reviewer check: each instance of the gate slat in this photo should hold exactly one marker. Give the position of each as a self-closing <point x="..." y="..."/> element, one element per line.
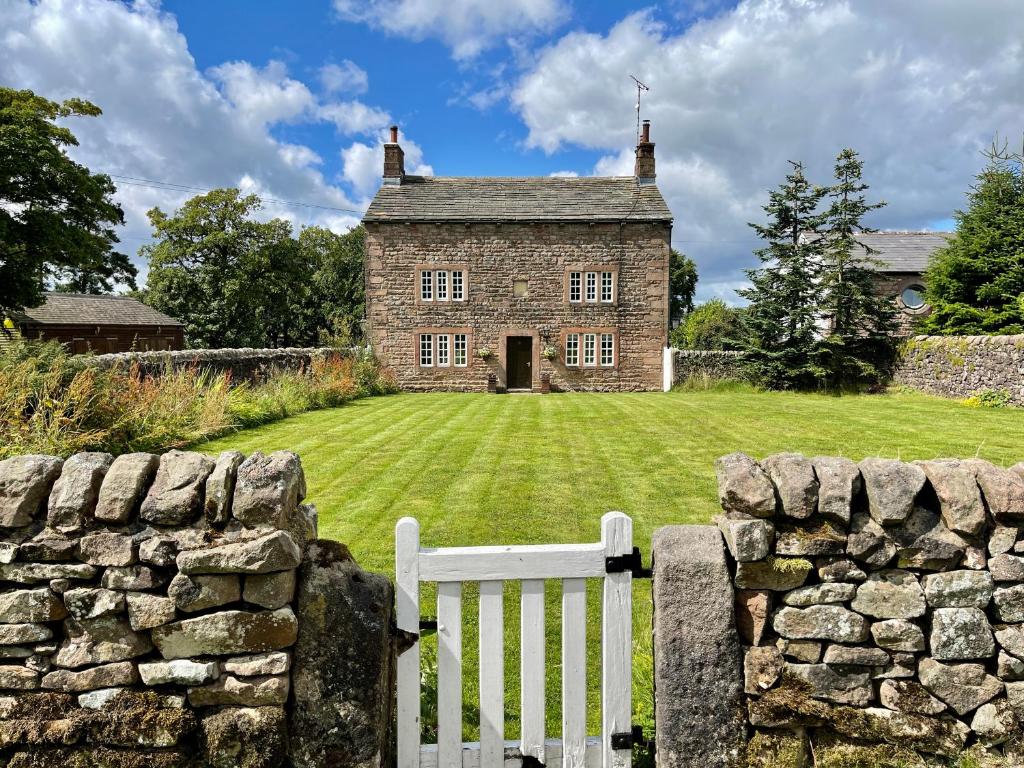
<point x="407" y="617"/>
<point x="532" y="668"/>
<point x="492" y="673"/>
<point x="616" y="641"/>
<point x="574" y="671"/>
<point x="449" y="675"/>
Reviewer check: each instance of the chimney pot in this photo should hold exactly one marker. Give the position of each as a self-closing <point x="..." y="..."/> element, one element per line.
<point x="394" y="159"/>
<point x="644" y="168"/>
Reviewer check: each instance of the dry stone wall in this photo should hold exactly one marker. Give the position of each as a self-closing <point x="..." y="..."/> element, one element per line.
<point x="244" y="364"/>
<point x="878" y="601"/>
<point x="698" y="365"/>
<point x="964" y="366"/>
<point x="149" y="616"/>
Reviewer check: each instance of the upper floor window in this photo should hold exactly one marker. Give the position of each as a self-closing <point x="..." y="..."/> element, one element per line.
<point x="591" y="286"/>
<point x="575" y="287"/>
<point x="442" y="284"/>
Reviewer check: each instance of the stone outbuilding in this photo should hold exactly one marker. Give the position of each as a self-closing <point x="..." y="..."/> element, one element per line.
<point x="101" y="324"/>
<point x="519" y="284"/>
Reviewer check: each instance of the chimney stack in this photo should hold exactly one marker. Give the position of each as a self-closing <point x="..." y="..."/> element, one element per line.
<point x="394" y="159"/>
<point x="644" y="168"/>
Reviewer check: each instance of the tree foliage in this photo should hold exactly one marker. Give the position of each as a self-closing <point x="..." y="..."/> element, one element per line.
<point x="711" y="325"/>
<point x="236" y="281"/>
<point x="682" y="282"/>
<point x="57" y="218"/>
<point x="857" y="345"/>
<point x="780" y="325"/>
<point x="975" y="284"/>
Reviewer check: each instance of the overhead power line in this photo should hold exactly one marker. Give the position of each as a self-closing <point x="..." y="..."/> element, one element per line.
<point x="169" y="186"/>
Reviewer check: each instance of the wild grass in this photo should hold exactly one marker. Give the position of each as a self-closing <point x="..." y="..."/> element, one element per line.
<point x="53" y="403"/>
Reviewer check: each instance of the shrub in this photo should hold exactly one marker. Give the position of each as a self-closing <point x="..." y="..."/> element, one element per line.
<point x="710" y="325"/>
<point x="989" y="398"/>
<point x="54" y="403"/>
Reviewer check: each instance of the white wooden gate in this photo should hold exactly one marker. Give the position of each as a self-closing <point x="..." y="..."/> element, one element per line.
<point x="610" y="559"/>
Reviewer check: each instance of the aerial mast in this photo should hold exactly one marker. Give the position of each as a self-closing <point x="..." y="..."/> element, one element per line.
<point x="640" y="87"/>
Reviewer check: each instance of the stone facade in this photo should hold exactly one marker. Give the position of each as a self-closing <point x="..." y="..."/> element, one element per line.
<point x="880" y="606"/>
<point x="150" y="609"/>
<point x="495" y="256"/>
<point x="964" y="366"/>
<point x="484" y="283"/>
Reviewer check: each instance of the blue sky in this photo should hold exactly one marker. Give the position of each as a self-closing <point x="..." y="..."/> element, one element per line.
<point x="292" y="100"/>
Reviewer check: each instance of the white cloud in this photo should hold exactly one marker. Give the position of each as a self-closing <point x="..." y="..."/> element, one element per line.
<point x="465" y="26"/>
<point x="165" y="120"/>
<point x="265" y="95"/>
<point x="563" y="174"/>
<point x="735" y="96"/>
<point x="347" y="77"/>
<point x="363" y="164"/>
<point x="354" y="117"/>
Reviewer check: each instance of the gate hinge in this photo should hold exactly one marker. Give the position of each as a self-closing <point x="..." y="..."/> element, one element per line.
<point x="631" y="562"/>
<point x="635" y="735"/>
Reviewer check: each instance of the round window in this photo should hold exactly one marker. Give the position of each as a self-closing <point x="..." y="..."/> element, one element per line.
<point x="913" y="296"/>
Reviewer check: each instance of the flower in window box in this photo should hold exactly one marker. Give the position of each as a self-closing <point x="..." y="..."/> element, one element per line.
<point x="484" y="353"/>
<point x="550" y="352"/>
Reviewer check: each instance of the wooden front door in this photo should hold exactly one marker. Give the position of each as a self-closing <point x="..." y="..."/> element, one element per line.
<point x="519" y="362"/>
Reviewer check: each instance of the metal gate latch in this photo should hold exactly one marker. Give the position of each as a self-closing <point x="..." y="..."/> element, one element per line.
<point x="631" y="562"/>
<point x="626" y="740"/>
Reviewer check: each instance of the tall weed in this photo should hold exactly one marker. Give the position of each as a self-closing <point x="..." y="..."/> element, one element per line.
<point x="53" y="403"/>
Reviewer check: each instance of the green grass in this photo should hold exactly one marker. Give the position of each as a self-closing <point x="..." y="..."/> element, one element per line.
<point x="486" y="469"/>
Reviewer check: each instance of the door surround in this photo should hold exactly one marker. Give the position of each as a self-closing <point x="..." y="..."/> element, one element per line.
<point x="503" y="356"/>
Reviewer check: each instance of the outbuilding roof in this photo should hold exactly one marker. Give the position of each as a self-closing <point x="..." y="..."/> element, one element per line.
<point x="90" y="309"/>
<point x="496" y="198"/>
<point x="902" y="251"/>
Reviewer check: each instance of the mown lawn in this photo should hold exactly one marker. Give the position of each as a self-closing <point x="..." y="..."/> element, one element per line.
<point x="486" y="469"/>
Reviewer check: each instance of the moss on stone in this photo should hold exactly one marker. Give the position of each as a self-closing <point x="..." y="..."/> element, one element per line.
<point x="849" y="755"/>
<point x="789" y="564"/>
<point x="777" y="749"/>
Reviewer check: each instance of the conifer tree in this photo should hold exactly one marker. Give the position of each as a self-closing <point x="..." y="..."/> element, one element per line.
<point x="856" y="346"/>
<point x="975" y="285"/>
<point x="779" y="326"/>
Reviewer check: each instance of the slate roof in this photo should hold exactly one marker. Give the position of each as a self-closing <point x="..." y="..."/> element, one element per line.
<point x="88" y="309"/>
<point x="903" y="251"/>
<point x="496" y="198"/>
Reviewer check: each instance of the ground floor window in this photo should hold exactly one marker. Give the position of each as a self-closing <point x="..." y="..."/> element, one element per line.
<point x="572" y="349"/>
<point x="443" y="349"/>
<point x="426" y="350"/>
<point x="607" y="350"/>
<point x="590" y="348"/>
<point x="461" y="350"/>
<point x="443" y="359"/>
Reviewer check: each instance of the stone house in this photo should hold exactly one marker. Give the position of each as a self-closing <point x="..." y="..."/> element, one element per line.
<point x="901" y="259"/>
<point x="519" y="283"/>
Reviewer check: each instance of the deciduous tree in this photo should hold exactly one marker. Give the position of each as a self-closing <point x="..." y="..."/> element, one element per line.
<point x="57" y="218"/>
